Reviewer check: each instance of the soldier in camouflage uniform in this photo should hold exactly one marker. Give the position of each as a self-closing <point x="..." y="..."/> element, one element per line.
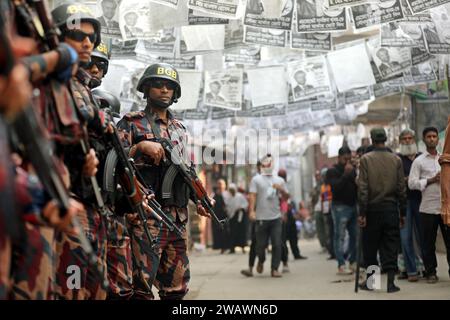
<point x="32" y="254"/>
<point x="83" y="37"/>
<point x="119" y="257"/>
<point x="168" y="267"/>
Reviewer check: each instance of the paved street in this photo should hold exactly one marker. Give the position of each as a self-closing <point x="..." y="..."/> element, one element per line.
<point x="216" y="276"/>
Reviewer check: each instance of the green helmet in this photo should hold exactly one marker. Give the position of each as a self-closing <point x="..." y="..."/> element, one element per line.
<point x="107" y="101"/>
<point x="66" y="15"/>
<point x="160" y="71"/>
<point x="102" y="52"/>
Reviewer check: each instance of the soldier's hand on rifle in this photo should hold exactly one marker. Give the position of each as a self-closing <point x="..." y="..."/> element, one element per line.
<point x="90" y="164"/>
<point x="51" y="214"/>
<point x="154" y="150"/>
<point x="362" y="221"/>
<point x="201" y="211"/>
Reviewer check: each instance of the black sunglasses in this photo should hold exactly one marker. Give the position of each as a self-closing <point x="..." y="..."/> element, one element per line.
<point x="159" y="84"/>
<point x="79" y="36"/>
<point x="101" y="65"/>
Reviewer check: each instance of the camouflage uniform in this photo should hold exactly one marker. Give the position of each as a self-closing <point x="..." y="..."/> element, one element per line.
<point x="119" y="258"/>
<point x="32" y="256"/>
<point x="68" y="248"/>
<point x="169" y="267"/>
<point x="8" y="223"/>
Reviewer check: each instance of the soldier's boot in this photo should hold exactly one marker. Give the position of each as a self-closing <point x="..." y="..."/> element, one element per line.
<point x="391" y="287"/>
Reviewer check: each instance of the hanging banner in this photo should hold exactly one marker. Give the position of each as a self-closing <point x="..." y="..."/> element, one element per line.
<point x="224" y="8"/>
<point x="311" y="41"/>
<point x="418" y="6"/>
<point x="267" y="37"/>
<point x="312" y="16"/>
<point x="373" y="14"/>
<point x="223" y="89"/>
<point x="309" y="78"/>
<point x="255" y="16"/>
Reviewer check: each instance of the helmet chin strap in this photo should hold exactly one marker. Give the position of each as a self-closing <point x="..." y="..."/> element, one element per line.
<point x="94" y="83"/>
<point x="158" y="103"/>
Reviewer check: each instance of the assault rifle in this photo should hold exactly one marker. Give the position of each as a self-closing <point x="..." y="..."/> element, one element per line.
<point x="179" y="166"/>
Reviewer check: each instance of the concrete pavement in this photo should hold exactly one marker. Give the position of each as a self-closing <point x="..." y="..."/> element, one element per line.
<point x="216" y="276"/>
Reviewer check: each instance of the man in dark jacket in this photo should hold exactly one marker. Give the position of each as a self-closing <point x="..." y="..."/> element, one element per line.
<point x="343" y="186"/>
<point x="382" y="205"/>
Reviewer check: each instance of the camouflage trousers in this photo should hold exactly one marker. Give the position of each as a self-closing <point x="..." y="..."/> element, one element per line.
<point x="32" y="264"/>
<point x="166" y="265"/>
<point x="120" y="274"/>
<point x="5" y="265"/>
<point x="75" y="279"/>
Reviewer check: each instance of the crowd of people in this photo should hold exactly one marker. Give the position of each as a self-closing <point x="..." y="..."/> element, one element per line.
<point x="382" y="204"/>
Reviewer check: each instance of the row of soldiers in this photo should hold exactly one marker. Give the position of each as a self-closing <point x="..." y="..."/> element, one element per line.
<point x="83" y="214"/>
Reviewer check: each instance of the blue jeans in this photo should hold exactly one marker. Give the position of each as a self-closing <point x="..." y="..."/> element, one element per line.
<point x="406" y="235"/>
<point x="344" y="218"/>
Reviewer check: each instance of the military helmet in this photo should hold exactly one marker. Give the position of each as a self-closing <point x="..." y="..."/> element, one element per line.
<point x="67" y="15"/>
<point x="160" y="71"/>
<point x="102" y="52"/>
<point x="107" y="101"/>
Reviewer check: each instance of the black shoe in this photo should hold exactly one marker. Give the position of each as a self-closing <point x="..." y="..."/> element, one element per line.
<point x="300" y="257"/>
<point x="391" y="287"/>
<point x="331" y="258"/>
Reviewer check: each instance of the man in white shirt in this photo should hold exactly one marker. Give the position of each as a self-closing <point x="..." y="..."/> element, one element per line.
<point x="265" y="191"/>
<point x="425" y="176"/>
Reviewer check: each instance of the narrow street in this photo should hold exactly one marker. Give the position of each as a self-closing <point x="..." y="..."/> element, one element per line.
<point x="216" y="276"/>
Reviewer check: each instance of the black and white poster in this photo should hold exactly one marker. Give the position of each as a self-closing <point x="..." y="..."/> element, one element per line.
<point x="357" y="95"/>
<point x="162" y="42"/>
<point x="123" y="49"/>
<point x="223" y="89"/>
<point x="390" y="61"/>
<point x="250" y="55"/>
<point x="265" y="37"/>
<point x="421" y="73"/>
<point x="108" y="14"/>
<point x="234" y="34"/>
<point x="199" y="18"/>
<point x="323" y="104"/>
<point x="312" y="16"/>
<point x="332" y="4"/>
<point x="318" y="41"/>
<point x="255" y="16"/>
<point x="418" y="6"/>
<point x="419" y="55"/>
<point x="402" y="34"/>
<point x="309" y="78"/>
<point x="437" y="42"/>
<point x="224" y="8"/>
<point x="372" y="14"/>
<point x="385" y="89"/>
